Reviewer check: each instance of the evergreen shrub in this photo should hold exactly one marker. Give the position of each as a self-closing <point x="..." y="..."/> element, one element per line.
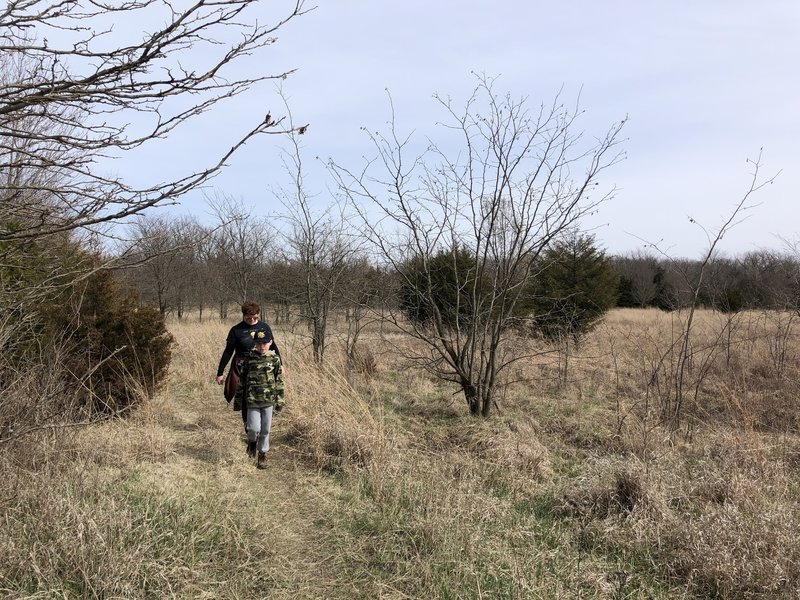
<point x="118" y="351"/>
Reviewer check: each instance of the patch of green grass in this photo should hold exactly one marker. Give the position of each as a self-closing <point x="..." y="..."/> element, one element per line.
<point x="483" y="579"/>
<point x="566" y="465"/>
<point x="540" y="507"/>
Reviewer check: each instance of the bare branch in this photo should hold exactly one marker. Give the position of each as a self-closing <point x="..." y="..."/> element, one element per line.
<point x="75" y="92"/>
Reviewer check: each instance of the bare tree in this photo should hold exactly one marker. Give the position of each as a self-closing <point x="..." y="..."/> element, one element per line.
<point x="320" y="243"/>
<point x="30" y="270"/>
<point x="779" y="275"/>
<point x="165" y="250"/>
<point x="365" y="293"/>
<point x="640" y="269"/>
<point x="518" y="180"/>
<point x="243" y="243"/>
<point x="76" y="90"/>
<point x="206" y="289"/>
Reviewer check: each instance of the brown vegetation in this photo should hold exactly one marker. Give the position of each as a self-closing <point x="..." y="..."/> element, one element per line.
<point x="381" y="486"/>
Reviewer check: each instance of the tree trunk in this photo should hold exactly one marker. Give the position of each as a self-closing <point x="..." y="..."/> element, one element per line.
<point x="472" y="397"/>
<point x="318" y="341"/>
<point x="486" y="404"/>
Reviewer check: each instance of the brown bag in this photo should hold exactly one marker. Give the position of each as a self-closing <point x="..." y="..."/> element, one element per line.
<point x="232" y="380"/>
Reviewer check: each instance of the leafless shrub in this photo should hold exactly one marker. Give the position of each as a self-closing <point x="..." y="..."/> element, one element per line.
<point x="682" y="367"/>
<point x="319" y="243"/>
<point x="614" y="493"/>
<point x="362" y="360"/>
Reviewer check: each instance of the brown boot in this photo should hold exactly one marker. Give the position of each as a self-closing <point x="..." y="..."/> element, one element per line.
<point x="251" y="449"/>
<point x="262" y="460"/>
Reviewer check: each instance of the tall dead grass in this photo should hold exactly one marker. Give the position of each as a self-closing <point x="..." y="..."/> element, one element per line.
<point x="740" y="371"/>
<point x="712" y="512"/>
<point x="330" y="422"/>
<point x="571" y="490"/>
<point x="645" y="514"/>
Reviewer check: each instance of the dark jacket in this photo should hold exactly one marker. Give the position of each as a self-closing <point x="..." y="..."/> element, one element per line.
<point x="240" y="342"/>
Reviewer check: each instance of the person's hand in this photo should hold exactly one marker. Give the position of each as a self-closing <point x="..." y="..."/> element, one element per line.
<point x="220" y="379"/>
<point x="278" y="408"/>
<point x="281" y="369"/>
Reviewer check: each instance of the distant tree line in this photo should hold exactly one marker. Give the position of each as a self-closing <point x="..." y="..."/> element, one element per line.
<point x="763" y="279"/>
<point x="181" y="266"/>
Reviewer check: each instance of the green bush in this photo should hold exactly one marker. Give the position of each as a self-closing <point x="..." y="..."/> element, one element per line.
<point x="118" y="350"/>
<point x="69" y="320"/>
<point x="444" y="283"/>
<point x="573" y="287"/>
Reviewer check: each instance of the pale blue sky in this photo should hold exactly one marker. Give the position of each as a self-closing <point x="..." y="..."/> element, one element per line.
<point x="705" y="85"/>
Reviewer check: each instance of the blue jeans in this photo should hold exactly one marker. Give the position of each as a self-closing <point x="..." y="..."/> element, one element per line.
<point x="259" y="421"/>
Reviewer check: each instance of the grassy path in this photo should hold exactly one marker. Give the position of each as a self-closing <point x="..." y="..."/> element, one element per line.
<point x="285" y="503"/>
<point x="282" y="510"/>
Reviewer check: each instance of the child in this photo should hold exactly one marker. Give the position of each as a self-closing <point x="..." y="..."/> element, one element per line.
<point x="263" y="390"/>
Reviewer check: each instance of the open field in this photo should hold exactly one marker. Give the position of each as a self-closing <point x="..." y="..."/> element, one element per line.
<point x="381" y="485"/>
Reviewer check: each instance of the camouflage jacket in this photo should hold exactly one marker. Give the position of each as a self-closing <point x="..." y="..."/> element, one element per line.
<point x="263" y="380"/>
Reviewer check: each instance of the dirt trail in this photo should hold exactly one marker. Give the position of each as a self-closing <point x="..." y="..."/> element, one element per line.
<point x="205" y="455"/>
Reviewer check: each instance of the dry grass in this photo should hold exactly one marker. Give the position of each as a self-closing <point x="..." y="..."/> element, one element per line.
<point x="329" y="421"/>
<point x="381" y="486"/>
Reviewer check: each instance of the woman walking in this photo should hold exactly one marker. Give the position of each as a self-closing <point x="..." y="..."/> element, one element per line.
<point x="240" y="341"/>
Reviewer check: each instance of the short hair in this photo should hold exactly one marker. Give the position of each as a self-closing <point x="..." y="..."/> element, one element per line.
<point x="250" y="308"/>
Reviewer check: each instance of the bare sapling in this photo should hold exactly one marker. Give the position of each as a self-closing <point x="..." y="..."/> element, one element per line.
<point x="318" y="242"/>
<point x="682" y="354"/>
